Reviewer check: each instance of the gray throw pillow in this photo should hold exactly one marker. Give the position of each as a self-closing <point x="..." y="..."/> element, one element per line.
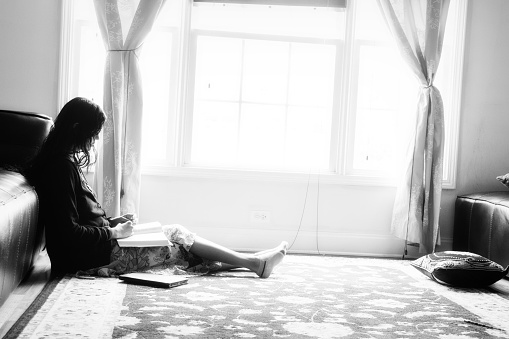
<point x="461" y="269"/>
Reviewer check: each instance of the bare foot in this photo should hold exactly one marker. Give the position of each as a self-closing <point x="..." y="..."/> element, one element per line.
<point x="270" y="259"/>
<point x="283" y="247"/>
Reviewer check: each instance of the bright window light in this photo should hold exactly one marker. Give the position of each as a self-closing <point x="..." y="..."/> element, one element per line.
<point x="383" y="98"/>
<point x="263" y="94"/>
<point x="288" y="89"/>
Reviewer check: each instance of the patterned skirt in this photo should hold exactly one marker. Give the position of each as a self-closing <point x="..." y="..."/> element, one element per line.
<point x="172" y="259"/>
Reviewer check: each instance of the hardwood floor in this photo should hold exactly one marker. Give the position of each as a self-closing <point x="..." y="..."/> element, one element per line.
<point x="21" y="298"/>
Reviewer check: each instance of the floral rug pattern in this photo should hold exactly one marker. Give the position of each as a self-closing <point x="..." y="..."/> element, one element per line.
<point x="321" y="297"/>
<point x="306" y="297"/>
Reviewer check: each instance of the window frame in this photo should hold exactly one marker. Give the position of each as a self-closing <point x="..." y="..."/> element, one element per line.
<point x="192" y="57"/>
<point x="176" y="164"/>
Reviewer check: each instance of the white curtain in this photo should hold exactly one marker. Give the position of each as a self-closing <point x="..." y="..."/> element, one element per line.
<point x="124" y="25"/>
<point x="418" y="28"/>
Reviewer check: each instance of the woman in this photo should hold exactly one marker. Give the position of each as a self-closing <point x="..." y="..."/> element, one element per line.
<point x="79" y="236"/>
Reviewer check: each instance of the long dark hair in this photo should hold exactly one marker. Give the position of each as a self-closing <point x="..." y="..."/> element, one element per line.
<point x="73" y="133"/>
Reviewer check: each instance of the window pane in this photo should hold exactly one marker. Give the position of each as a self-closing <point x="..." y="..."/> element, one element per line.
<point x="277" y="82"/>
<point x="218" y="68"/>
<point x="215" y="133"/>
<point x="448" y="83"/>
<point x="311" y="79"/>
<point x="385" y="97"/>
<point x="159" y="68"/>
<point x="308" y="136"/>
<point x="374" y="147"/>
<point x="155" y="65"/>
<point x="90" y="62"/>
<point x="265" y="77"/>
<point x="262" y="132"/>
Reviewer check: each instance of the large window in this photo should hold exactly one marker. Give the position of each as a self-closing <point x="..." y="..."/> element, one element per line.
<point x="256" y="88"/>
<point x="261" y="90"/>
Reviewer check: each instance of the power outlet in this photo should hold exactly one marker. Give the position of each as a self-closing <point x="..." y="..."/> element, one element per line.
<point x="260" y="217"/>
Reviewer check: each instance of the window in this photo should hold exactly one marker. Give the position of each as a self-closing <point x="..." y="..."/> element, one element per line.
<point x="382" y="92"/>
<point x="261" y="96"/>
<point x="254" y="88"/>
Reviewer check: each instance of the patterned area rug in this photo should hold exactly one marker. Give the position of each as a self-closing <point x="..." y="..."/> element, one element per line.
<point x="306" y="297"/>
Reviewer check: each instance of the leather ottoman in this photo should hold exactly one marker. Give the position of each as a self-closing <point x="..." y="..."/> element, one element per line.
<point x="481" y="225"/>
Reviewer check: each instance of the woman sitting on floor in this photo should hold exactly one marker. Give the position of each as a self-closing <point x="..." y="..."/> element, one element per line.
<point x="79" y="236"/>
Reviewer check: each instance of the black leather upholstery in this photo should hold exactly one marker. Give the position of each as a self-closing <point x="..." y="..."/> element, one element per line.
<point x="481" y="225"/>
<point x="21" y="135"/>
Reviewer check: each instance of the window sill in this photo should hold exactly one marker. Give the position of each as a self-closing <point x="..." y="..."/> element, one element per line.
<point x="247" y="175"/>
<point x="273" y="176"/>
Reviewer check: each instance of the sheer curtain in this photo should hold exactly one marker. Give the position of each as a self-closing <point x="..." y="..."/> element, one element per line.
<point x="418" y="28"/>
<point x="124" y="24"/>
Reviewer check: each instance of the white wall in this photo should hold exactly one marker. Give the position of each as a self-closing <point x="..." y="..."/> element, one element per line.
<point x="484" y="137"/>
<point x="29" y="40"/>
<point x="351" y="219"/>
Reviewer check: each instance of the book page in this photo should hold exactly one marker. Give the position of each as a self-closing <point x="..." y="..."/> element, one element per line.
<point x="145" y="235"/>
<point x="149" y="227"/>
<point x="144" y="240"/>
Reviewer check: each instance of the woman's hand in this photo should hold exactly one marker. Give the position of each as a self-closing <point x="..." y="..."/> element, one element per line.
<point x="122" y="230"/>
<point x="124" y="218"/>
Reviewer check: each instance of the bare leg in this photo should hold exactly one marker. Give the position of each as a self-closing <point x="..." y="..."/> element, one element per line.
<point x="283" y="247"/>
<point x="262" y="264"/>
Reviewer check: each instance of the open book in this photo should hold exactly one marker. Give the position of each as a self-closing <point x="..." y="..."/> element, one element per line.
<point x="145" y="235"/>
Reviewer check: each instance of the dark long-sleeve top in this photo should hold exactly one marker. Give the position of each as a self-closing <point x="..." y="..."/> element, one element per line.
<point x="77" y="230"/>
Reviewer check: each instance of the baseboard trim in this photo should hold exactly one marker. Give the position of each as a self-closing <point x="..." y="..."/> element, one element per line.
<point x="307" y="242"/>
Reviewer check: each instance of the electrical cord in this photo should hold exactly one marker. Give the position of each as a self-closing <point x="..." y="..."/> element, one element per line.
<point x="317" y="212"/>
<point x="304" y="210"/>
